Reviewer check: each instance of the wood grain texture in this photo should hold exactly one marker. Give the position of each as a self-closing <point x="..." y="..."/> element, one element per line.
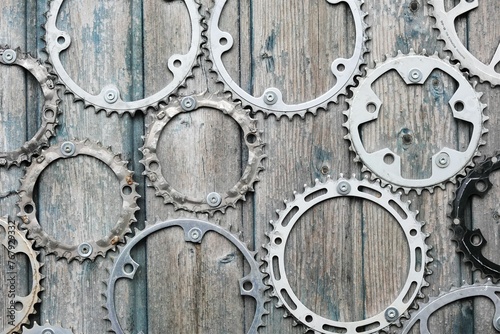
<point x="346" y="259"/>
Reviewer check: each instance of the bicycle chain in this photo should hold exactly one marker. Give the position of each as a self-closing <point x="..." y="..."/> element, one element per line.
<point x="49" y="112"/>
<point x="18" y="308"/>
<point x="297" y="207"/>
<point x="271" y="102"/>
<point x="445" y="23"/>
<point x="448" y="163"/>
<point x="471" y="242"/>
<point x="194" y="230"/>
<point x="86" y="250"/>
<point x="109" y="99"/>
<point x="213" y="201"/>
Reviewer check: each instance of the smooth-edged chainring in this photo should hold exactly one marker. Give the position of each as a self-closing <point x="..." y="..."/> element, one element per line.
<point x="447" y="163"/>
<point x="88" y="249"/>
<point x="471" y="242"/>
<point x="297" y="207"/>
<point x="194" y="230"/>
<point x="425" y="311"/>
<point x="271" y="102"/>
<point x="445" y="23"/>
<point x="18" y="308"/>
<point x="212" y="202"/>
<point x="49" y="112"/>
<point x="109" y="99"/>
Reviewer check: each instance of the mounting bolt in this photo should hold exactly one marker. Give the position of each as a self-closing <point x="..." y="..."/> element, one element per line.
<point x="391" y="314"/>
<point x="214" y="199"/>
<point x="270" y="98"/>
<point x="84" y="249"/>
<point x="188" y="103"/>
<point x="68" y="148"/>
<point x="415" y="75"/>
<point x="111" y="95"/>
<point x="48" y="331"/>
<point x="9" y="56"/>
<point x="343" y="188"/>
<point x="443" y="160"/>
<point x="195" y="234"/>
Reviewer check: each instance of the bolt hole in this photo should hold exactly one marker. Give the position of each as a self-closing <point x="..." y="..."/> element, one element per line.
<point x="413" y="6"/>
<point x="61" y="40"/>
<point x="340" y="67"/>
<point x="177" y="63"/>
<point x="18" y="306"/>
<point x="459" y="106"/>
<point x="309" y="318"/>
<point x="481" y="186"/>
<point x="278" y="241"/>
<point x="371" y="107"/>
<point x="49" y="113"/>
<point x="389" y="159"/>
<point x="223" y="41"/>
<point x="154" y="166"/>
<point x="127" y="190"/>
<point x="248" y="286"/>
<point x="413" y="232"/>
<point x="476" y="240"/>
<point x="128" y="268"/>
<point x="28" y="208"/>
<point x="251" y="138"/>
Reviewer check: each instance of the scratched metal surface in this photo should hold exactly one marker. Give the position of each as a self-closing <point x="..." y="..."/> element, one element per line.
<point x="354" y="272"/>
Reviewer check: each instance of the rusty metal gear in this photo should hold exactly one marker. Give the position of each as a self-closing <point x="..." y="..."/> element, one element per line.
<point x="124" y="266"/>
<point x="109" y="99"/>
<point x="371" y="191"/>
<point x="212" y="202"/>
<point x="471" y="242"/>
<point x="447" y="164"/>
<point x="445" y="23"/>
<point x="18" y="308"/>
<point x="49" y="111"/>
<point x="271" y="102"/>
<point x="425" y="311"/>
<point x="88" y="249"/>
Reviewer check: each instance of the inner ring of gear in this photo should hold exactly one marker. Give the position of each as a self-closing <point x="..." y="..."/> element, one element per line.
<point x="476" y="182"/>
<point x="271" y="102"/>
<point x="435" y="303"/>
<point x="194" y="230"/>
<point x="49" y="112"/>
<point x="109" y="99"/>
<point x="211" y="202"/>
<point x="15" y="242"/>
<point x="85" y="250"/>
<point x="351" y="188"/>
<point x="446" y="163"/>
<point x="445" y="23"/>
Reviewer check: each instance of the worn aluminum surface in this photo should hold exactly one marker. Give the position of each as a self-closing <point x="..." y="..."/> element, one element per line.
<point x="445" y="23"/>
<point x="434" y="304"/>
<point x="49" y="111"/>
<point x="89" y="249"/>
<point x="471" y="242"/>
<point x="351" y="188"/>
<point x="447" y="163"/>
<point x="46" y="329"/>
<point x="208" y="203"/>
<point x="271" y="102"/>
<point x="109" y="99"/>
<point x="18" y="308"/>
<point x="124" y="266"/>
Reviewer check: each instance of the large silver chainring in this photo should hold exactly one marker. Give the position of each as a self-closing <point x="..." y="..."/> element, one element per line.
<point x="350" y="188"/>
